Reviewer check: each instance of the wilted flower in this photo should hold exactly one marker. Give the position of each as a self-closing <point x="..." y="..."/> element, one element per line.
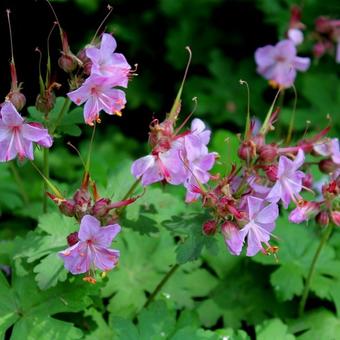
<point x="279" y="63"/>
<point x="17" y="137"/>
<point x="92" y="250"/>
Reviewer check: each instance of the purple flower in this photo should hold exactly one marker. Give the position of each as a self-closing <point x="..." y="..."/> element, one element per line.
<point x="92" y="250"/>
<point x="279" y="63"/>
<point x="258" y="229"/>
<point x="232" y="237"/>
<point x="289" y="182"/>
<point x="166" y="166"/>
<point x="304" y="211"/>
<point x="329" y="147"/>
<point x="17" y="137"/>
<point x="107" y="63"/>
<point x="99" y="95"/>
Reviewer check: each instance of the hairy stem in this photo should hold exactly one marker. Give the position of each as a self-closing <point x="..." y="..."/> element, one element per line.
<point x="64" y="109"/>
<point x="46" y="172"/>
<point x="323" y="241"/>
<point x="19" y="182"/>
<point x="161" y="284"/>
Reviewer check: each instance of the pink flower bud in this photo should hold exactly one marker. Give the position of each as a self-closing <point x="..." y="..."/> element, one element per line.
<point x="87" y="64"/>
<point x="336" y="217"/>
<point x="17" y="99"/>
<point x="101" y="207"/>
<point x="271" y="172"/>
<point x="67" y="63"/>
<point x="322" y="218"/>
<point x="82" y="201"/>
<point x="247" y="150"/>
<point x="327" y="166"/>
<point x="268" y="152"/>
<point x="307" y="181"/>
<point x="319" y="49"/>
<point x="72" y="239"/>
<point x="67" y="208"/>
<point x="209" y="227"/>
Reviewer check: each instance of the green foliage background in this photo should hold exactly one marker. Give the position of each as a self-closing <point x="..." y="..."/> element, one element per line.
<point x="212" y="295"/>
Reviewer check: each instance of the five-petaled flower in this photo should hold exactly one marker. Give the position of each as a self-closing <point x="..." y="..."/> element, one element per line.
<point x="92" y="250"/>
<point x="279" y="63"/>
<point x="17" y="137"/>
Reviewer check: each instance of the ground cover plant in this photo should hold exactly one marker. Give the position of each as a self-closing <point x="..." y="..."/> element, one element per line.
<point x="222" y="224"/>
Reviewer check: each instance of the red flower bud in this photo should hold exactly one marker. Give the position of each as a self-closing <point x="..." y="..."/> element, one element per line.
<point x="336" y="217"/>
<point x="271" y="172"/>
<point x="307" y="181"/>
<point x="268" y="152"/>
<point x="247" y="150"/>
<point x="209" y="227"/>
<point x="67" y="63"/>
<point x="322" y="218"/>
<point x="227" y="228"/>
<point x="72" y="239"/>
<point x="327" y="166"/>
<point x="101" y="207"/>
<point x="67" y="208"/>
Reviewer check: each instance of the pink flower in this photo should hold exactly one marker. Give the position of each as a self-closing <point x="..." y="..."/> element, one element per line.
<point x="329" y="148"/>
<point x="99" y="95"/>
<point x="107" y="63"/>
<point x="232" y="237"/>
<point x="279" y="63"/>
<point x="289" y="182"/>
<point x="17" y="137"/>
<point x="304" y="211"/>
<point x="92" y="250"/>
<point x="258" y="229"/>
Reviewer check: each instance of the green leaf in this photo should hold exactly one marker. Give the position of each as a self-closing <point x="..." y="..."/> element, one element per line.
<point x="273" y="329"/>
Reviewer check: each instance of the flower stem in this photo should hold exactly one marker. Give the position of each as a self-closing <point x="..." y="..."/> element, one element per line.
<point x="19" y="182"/>
<point x="64" y="109"/>
<point x="312" y="268"/>
<point x="46" y="172"/>
<point x="128" y="194"/>
<point x="161" y="284"/>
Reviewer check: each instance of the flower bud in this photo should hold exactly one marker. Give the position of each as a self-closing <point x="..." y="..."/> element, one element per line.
<point x="322" y="218"/>
<point x="307" y="181"/>
<point x="232" y="238"/>
<point x="271" y="172"/>
<point x="67" y="63"/>
<point x="327" y="166"/>
<point x="45" y="103"/>
<point x="67" y="208"/>
<point x="336" y="217"/>
<point x="209" y="227"/>
<point x="101" y="207"/>
<point x="82" y="201"/>
<point x="87" y="64"/>
<point x="268" y="153"/>
<point x="72" y="239"/>
<point x="17" y="99"/>
<point x="247" y="150"/>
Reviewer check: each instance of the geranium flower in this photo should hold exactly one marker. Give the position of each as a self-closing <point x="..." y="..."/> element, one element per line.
<point x="258" y="229"/>
<point x="289" y="180"/>
<point x="99" y="95"/>
<point x="17" y="137"/>
<point x="92" y="250"/>
<point x="304" y="211"/>
<point x="107" y="63"/>
<point x="279" y="63"/>
<point x="329" y="148"/>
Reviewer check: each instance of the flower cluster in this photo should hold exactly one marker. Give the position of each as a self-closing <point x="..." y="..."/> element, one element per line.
<point x="108" y="70"/>
<point x="177" y="158"/>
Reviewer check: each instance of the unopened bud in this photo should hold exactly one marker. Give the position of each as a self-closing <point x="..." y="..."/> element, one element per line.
<point x="336" y="217"/>
<point x="307" y="181"/>
<point x="327" y="166"/>
<point x="101" y="208"/>
<point x="322" y="218"/>
<point x="271" y="172"/>
<point x="268" y="153"/>
<point x="247" y="151"/>
<point x="209" y="227"/>
<point x="87" y="64"/>
<point x="82" y="201"/>
<point x="67" y="63"/>
<point x="67" y="208"/>
<point x="45" y="103"/>
<point x="72" y="239"/>
<point x="17" y="99"/>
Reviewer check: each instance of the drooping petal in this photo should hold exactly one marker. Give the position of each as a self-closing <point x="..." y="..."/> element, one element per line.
<point x="301" y="64"/>
<point x="33" y="133"/>
<point x="105" y="259"/>
<point x="80" y="95"/>
<point x="140" y="165"/>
